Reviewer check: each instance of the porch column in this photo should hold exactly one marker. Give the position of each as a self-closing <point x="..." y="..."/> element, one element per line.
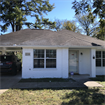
<point x="93" y="63"/>
<point x="3" y="51"/>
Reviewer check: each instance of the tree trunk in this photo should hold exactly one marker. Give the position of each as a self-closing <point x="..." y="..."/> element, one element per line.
<point x="12" y="27"/>
<point x="17" y="28"/>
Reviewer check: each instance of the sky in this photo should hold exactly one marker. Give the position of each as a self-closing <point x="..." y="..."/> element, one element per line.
<point x="63" y="11"/>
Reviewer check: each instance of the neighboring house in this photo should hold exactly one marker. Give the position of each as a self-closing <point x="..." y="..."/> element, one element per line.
<point x="49" y="54"/>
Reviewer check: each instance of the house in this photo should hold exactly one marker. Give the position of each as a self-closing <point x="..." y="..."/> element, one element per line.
<point x="49" y="54"/>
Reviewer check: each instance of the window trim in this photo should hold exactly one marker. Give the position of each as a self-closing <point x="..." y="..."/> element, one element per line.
<point x="45" y="59"/>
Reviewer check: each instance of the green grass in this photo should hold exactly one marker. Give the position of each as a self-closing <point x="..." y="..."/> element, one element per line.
<point x="47" y="80"/>
<point x="53" y="97"/>
<point x="99" y="78"/>
<point x="90" y="96"/>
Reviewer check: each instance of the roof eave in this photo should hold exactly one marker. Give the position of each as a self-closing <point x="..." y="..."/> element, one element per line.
<point x="57" y="46"/>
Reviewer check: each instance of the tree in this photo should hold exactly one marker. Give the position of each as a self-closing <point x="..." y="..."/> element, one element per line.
<point x="93" y="8"/>
<point x="11" y="14"/>
<point x="99" y="33"/>
<point x="99" y="10"/>
<point x="84" y="7"/>
<point x="71" y="25"/>
<point x="14" y="12"/>
<point x="44" y="23"/>
<point x="58" y="25"/>
<point x="88" y="27"/>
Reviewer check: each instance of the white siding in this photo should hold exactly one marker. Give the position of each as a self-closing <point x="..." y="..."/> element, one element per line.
<point x="61" y="71"/>
<point x="100" y="70"/>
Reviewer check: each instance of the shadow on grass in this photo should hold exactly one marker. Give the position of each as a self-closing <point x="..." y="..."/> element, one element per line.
<point x="54" y="97"/>
<point x="99" y="78"/>
<point x="84" y="97"/>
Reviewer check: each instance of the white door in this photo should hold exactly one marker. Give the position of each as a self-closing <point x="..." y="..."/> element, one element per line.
<point x="73" y="61"/>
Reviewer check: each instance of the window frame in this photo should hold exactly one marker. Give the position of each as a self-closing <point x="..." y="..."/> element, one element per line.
<point x="101" y="59"/>
<point x="45" y="58"/>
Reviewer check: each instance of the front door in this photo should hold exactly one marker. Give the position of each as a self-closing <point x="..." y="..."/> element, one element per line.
<point x="73" y="61"/>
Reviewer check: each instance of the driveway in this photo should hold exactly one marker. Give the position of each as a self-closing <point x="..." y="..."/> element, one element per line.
<point x="7" y="80"/>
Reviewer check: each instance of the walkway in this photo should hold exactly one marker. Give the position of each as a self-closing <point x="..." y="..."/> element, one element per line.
<point x="7" y="81"/>
<point x="81" y="81"/>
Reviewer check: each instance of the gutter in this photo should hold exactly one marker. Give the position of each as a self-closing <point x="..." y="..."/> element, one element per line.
<point x="26" y="46"/>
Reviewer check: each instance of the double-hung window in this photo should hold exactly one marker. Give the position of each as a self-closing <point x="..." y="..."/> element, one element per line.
<point x="100" y="58"/>
<point x="50" y="58"/>
<point x="44" y="58"/>
<point x="38" y="58"/>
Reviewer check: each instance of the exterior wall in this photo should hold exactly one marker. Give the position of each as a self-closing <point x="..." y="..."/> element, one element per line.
<point x="61" y="70"/>
<point x="86" y="64"/>
<point x="100" y="70"/>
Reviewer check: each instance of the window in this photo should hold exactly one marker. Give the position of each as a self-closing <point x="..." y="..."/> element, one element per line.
<point x="50" y="58"/>
<point x="100" y="58"/>
<point x="38" y="58"/>
<point x="103" y="58"/>
<point x="44" y="58"/>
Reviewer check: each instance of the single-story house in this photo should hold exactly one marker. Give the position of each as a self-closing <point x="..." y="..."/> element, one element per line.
<point x="50" y="54"/>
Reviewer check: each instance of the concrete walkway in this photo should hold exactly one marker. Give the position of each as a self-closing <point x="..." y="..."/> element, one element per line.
<point x="46" y="85"/>
<point x="7" y="81"/>
<point x="92" y="84"/>
<point x="2" y="91"/>
<point x="81" y="81"/>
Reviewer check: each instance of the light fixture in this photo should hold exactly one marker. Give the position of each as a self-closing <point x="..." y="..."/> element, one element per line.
<point x="81" y="53"/>
<point x="93" y="57"/>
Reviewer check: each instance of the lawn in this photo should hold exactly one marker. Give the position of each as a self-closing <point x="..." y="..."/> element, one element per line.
<point x="99" y="79"/>
<point x="53" y="97"/>
<point x="91" y="96"/>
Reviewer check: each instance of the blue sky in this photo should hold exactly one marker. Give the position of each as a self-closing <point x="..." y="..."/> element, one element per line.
<point x="63" y="10"/>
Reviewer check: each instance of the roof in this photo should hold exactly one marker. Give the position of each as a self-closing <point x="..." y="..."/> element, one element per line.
<point x="40" y="37"/>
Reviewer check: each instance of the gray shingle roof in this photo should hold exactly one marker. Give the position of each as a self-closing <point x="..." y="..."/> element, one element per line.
<point x="34" y="37"/>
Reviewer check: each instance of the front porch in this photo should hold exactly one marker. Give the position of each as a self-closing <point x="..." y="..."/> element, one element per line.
<point x="82" y="61"/>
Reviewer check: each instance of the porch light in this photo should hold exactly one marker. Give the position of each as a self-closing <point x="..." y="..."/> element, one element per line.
<point x="81" y="53"/>
<point x="93" y="57"/>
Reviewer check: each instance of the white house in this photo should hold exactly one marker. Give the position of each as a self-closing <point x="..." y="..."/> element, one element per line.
<point x="49" y="54"/>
